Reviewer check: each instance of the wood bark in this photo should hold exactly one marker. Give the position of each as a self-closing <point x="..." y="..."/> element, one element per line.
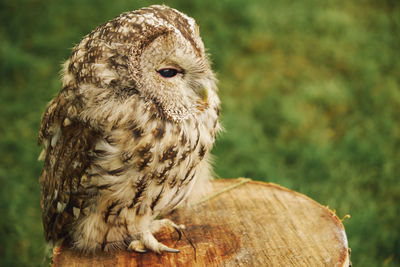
<point x="243" y="223"/>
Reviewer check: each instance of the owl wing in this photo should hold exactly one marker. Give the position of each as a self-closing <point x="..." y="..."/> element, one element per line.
<point x="67" y="149"/>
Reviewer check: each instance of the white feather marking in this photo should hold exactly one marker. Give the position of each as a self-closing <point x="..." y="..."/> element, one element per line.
<point x="76" y="164"/>
<point x="55" y="137"/>
<point x="68" y="78"/>
<point x="61" y="206"/>
<point x="42" y="155"/>
<point x="76" y="212"/>
<point x="104" y="73"/>
<point x="66" y="122"/>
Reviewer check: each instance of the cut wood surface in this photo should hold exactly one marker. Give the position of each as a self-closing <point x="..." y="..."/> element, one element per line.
<point x="248" y="223"/>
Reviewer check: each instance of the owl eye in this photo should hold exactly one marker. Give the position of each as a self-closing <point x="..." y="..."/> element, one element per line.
<point x="168" y="72"/>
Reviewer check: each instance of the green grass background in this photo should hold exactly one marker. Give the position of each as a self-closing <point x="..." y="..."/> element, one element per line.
<point x="311" y="100"/>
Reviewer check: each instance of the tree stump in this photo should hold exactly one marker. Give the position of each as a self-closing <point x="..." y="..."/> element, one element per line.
<point x="244" y="223"/>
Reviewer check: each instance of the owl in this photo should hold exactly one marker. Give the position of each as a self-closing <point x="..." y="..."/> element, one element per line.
<point x="129" y="135"/>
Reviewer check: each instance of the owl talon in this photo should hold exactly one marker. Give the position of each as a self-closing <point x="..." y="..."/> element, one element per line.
<point x="164" y="248"/>
<point x="158" y="224"/>
<point x="137" y="246"/>
<point x="148" y="242"/>
<point x="140" y="250"/>
<point x="178" y="230"/>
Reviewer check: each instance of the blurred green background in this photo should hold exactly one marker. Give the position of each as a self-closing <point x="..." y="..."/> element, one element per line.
<point x="311" y="101"/>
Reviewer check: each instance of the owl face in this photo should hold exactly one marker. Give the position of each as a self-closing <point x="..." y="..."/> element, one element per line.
<point x="175" y="75"/>
<point x="155" y="54"/>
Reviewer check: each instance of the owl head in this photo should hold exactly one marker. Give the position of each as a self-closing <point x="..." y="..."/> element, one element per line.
<point x="154" y="54"/>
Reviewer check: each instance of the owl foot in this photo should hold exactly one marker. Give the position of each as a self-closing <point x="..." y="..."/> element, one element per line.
<point x="156" y="226"/>
<point x="137" y="246"/>
<point x="147" y="241"/>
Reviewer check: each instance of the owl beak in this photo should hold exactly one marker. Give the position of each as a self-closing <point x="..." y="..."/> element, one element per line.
<point x="202" y="92"/>
<point x="202" y="103"/>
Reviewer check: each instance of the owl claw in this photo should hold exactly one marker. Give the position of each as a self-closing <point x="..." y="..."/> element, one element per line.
<point x="164" y="248"/>
<point x="137" y="246"/>
<point x="140" y="250"/>
<point x="178" y="230"/>
<point x="158" y="224"/>
<point x="146" y="240"/>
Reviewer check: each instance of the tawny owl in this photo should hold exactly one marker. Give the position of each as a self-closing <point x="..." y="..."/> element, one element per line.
<point x="128" y="137"/>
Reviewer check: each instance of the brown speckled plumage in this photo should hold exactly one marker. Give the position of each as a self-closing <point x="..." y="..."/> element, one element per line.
<point x="123" y="143"/>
